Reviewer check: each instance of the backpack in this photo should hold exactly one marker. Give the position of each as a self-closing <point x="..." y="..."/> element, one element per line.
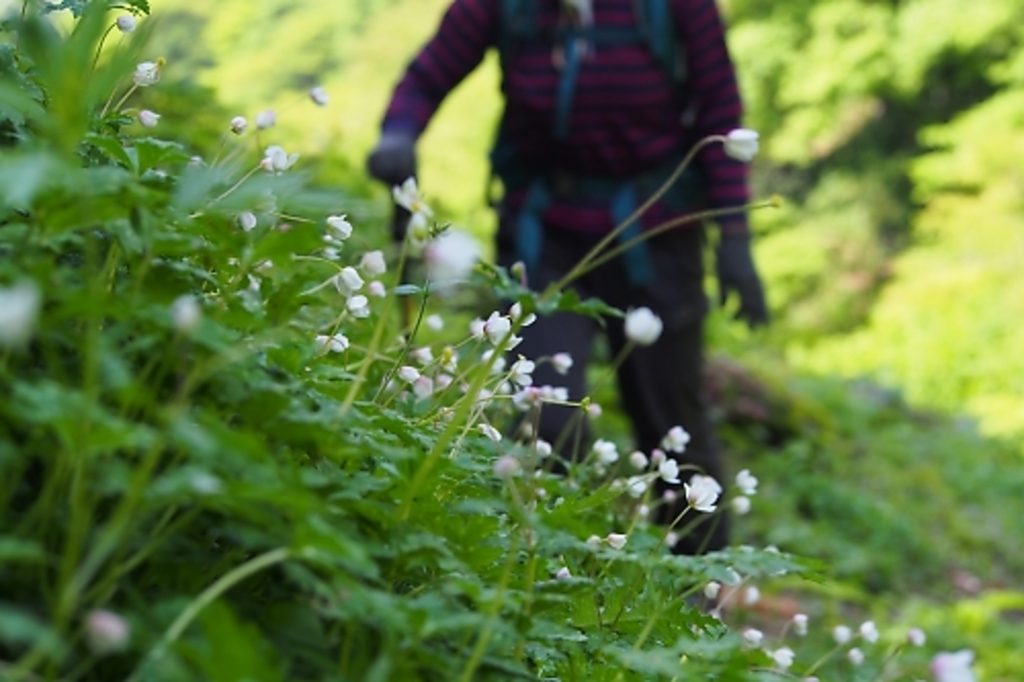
<point x="654" y="27"/>
<point x="519" y="25"/>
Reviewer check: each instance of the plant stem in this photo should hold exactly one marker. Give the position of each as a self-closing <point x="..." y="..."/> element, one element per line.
<point x="580" y="267"/>
<point x="378" y="334"/>
<point x="669" y="225"/>
<point x="499" y="598"/>
<point x="210" y="594"/>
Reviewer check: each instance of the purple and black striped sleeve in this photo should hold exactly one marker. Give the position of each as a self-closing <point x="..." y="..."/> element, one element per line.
<point x="714" y="88"/>
<point x="468" y="28"/>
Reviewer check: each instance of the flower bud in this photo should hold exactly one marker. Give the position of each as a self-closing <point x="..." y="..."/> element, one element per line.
<point x="106" y="632"/>
<point x="126" y="23"/>
<point x="148" y="118"/>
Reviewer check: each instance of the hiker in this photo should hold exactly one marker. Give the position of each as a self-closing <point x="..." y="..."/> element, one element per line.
<point x="603" y="98"/>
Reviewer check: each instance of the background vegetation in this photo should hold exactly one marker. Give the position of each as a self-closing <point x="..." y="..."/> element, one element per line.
<point x="884" y="410"/>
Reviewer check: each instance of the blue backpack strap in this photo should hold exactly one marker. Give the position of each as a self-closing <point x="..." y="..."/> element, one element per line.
<point x="530" y="232"/>
<point x="655" y="20"/>
<point x="637" y="258"/>
<point x="567" y="85"/>
<point x="519" y="23"/>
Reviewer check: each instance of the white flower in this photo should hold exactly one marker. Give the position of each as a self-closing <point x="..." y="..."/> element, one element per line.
<point x="746" y="482"/>
<point x="636" y="486"/>
<point x="712" y="589"/>
<point x="497" y="327"/>
<point x="148" y="118"/>
<point x="490" y="432"/>
<point x="953" y="667"/>
<point x="476" y="329"/>
<point x="741" y="505"/>
<point x="593" y="410"/>
<point x="434" y="322"/>
<point x="319" y="96"/>
<point x="373" y="263"/>
<point x="869" y="632"/>
<point x="195" y="161"/>
<point x="557" y="394"/>
<point x="266" y="119"/>
<point x="276" y="159"/>
<point x="408" y="374"/>
<point x="800" y="624"/>
<point x="247" y="220"/>
<point x="450" y="258"/>
<point x="358" y="305"/>
<point x="126" y="23"/>
<point x="423" y="356"/>
<point x="376" y="288"/>
<point x="643" y="327"/>
<point x="783" y="657"/>
<point x="670" y="496"/>
<point x="238" y="125"/>
<point x="563" y="574"/>
<point x="617" y="540"/>
<point x="669" y="471"/>
<point x="562" y="363"/>
<point x="186" y="314"/>
<point x="751" y="595"/>
<point x="753" y="636"/>
<point x="335" y="344"/>
<point x="638" y="460"/>
<point x="19" y="310"/>
<point x="516" y="313"/>
<point x="702" y="492"/>
<point x="734" y="578"/>
<point x="916" y="637"/>
<point x="841" y="634"/>
<point x="106" y="632"/>
<point x="542" y="448"/>
<point x="657" y="457"/>
<point x="506" y="466"/>
<point x="423" y="387"/>
<point x="339" y="227"/>
<point x="147" y="73"/>
<point x="741" y="144"/>
<point x="594" y="541"/>
<point x="675" y="440"/>
<point x="606" y="451"/>
<point x="348" y="281"/>
<point x="855" y="655"/>
<point x="407" y="195"/>
<point x="522" y="370"/>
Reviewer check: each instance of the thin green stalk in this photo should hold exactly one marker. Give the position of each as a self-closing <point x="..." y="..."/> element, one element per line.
<point x="211" y="594"/>
<point x="670" y="225"/>
<point x="99" y="47"/>
<point x="120" y="102"/>
<point x="485" y="637"/>
<point x="611" y="236"/>
<point x="378" y="335"/>
<point x="231" y="189"/>
<point x="465" y="406"/>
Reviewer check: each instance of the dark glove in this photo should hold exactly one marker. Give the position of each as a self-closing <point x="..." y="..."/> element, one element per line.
<point x="393" y="160"/>
<point x="736" y="273"/>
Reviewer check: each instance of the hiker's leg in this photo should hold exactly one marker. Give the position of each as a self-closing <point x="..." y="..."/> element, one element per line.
<point x="660" y="384"/>
<point x="562" y="426"/>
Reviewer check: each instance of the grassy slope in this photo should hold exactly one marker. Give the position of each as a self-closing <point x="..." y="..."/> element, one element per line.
<point x="891" y="498"/>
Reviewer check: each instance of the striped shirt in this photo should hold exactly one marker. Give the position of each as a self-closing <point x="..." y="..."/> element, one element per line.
<point x="626" y="117"/>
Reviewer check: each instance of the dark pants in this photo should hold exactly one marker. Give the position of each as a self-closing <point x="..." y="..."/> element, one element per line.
<point x="659" y="385"/>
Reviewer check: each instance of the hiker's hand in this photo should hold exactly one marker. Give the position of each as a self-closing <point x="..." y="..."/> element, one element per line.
<point x="736" y="273"/>
<point x="393" y="160"/>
